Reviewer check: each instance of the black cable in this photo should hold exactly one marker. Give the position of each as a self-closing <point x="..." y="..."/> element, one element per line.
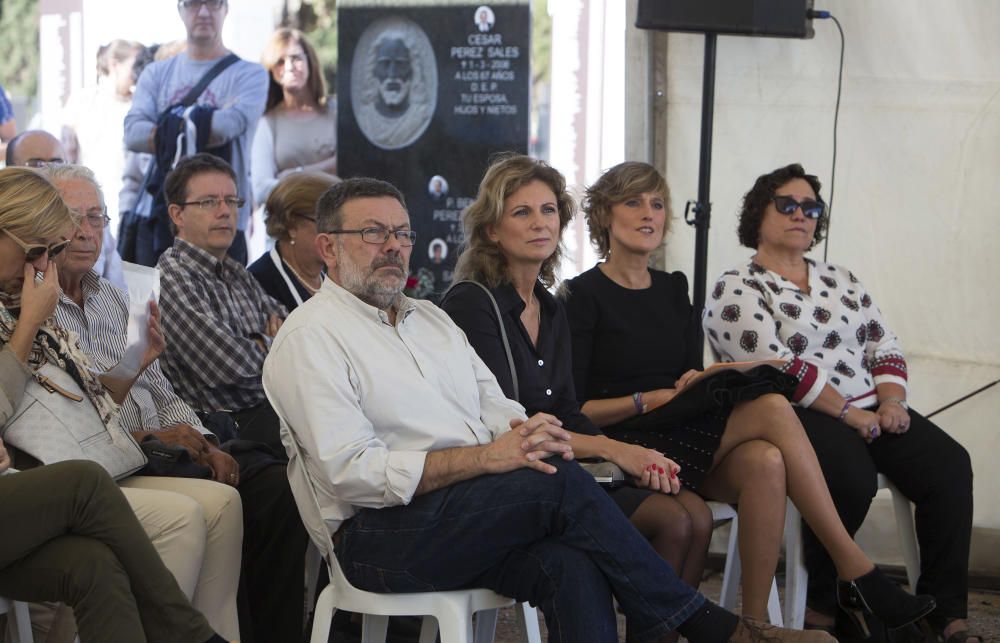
<point x="836" y="120"/>
<point x="962" y="399"/>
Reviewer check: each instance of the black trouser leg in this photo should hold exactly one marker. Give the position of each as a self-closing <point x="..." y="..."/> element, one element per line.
<point x="935" y="473"/>
<point x="274" y="546"/>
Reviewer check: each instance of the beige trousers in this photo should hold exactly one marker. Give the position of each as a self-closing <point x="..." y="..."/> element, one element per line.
<point x="197" y="528"/>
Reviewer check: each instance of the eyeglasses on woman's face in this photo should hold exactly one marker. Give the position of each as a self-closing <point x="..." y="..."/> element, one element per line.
<point x="34" y="251"/>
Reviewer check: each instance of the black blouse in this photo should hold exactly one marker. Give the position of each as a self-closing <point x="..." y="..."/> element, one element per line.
<point x="544" y="373"/>
<point x="627" y="340"/>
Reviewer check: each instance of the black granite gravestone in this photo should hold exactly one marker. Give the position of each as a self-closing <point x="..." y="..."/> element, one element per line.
<point x="426" y="94"/>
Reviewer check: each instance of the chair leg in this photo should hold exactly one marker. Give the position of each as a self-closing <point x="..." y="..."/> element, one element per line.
<point x="429" y="630"/>
<point x="907" y="535"/>
<point x="733" y="570"/>
<point x="486" y="626"/>
<point x="456" y="627"/>
<point x="774" y="606"/>
<point x="374" y="628"/>
<point x="796" y="576"/>
<point x="527" y="621"/>
<point x="323" y="616"/>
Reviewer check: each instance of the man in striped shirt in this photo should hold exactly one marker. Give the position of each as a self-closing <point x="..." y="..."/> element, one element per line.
<point x="98" y="311"/>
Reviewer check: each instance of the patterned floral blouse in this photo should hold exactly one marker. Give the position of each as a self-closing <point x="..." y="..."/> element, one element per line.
<point x="832" y="334"/>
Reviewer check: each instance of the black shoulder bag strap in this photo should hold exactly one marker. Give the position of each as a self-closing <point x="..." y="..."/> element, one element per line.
<point x="209" y="76"/>
<point x="503" y="330"/>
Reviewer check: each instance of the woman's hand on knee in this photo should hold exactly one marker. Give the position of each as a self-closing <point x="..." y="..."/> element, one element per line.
<point x="648" y="467"/>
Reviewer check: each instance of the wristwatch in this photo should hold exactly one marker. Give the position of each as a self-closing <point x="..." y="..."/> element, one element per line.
<point x="897" y="400"/>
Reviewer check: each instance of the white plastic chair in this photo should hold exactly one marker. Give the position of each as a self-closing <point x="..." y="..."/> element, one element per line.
<point x="451" y="611"/>
<point x="19" y="623"/>
<point x="796" y="576"/>
<point x="722" y="512"/>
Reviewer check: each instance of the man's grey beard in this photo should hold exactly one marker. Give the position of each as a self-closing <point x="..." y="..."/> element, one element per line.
<point x="369" y="289"/>
<point x="394" y="97"/>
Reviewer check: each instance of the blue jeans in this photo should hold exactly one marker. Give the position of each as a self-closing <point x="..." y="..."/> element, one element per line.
<point x="556" y="541"/>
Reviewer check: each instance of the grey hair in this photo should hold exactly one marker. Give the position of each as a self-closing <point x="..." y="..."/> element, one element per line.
<point x="60" y="173"/>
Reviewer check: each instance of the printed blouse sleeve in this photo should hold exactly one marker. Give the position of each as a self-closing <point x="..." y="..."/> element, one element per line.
<point x="742" y="326"/>
<point x="882" y="349"/>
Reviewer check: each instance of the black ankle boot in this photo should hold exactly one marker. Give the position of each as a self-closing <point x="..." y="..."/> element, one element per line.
<point x="875" y="594"/>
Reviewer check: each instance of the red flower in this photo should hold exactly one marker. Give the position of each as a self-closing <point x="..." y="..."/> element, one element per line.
<point x="411" y="282"/>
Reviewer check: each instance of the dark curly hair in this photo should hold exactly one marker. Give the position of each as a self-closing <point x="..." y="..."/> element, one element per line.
<point x="755" y="203"/>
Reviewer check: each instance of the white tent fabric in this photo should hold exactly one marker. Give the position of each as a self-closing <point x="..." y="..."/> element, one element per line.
<point x="915" y="214"/>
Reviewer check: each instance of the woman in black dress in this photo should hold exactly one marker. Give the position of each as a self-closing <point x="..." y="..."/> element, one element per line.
<point x="512" y="235"/>
<point x="634" y="349"/>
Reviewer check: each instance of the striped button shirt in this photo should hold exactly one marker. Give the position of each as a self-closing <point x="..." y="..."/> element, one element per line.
<point x="212" y="313"/>
<point x="102" y="324"/>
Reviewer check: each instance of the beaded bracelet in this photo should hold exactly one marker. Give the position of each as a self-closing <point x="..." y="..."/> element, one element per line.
<point x="637" y="402"/>
<point x="843" y="411"/>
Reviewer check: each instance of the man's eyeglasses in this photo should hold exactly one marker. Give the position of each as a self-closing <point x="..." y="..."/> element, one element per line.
<point x="811" y="209"/>
<point x="381" y="235"/>
<point x="213" y="202"/>
<point x="34" y="251"/>
<point x="40" y="163"/>
<point x="197" y="4"/>
<point x="96" y="217"/>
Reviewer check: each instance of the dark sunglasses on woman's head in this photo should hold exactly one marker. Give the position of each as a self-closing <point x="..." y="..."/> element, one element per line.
<point x="811" y="209"/>
<point x="34" y="251"/>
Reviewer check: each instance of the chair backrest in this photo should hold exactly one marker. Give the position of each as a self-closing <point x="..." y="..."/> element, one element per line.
<point x="307" y="501"/>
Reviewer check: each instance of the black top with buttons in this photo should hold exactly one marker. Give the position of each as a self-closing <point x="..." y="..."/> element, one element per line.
<point x="544" y="372"/>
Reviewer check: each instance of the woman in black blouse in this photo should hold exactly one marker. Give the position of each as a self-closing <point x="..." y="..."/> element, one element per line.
<point x="634" y="349"/>
<point x="512" y="234"/>
<point x="292" y="271"/>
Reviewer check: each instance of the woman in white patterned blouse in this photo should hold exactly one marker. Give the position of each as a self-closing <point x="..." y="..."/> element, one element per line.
<point x="852" y="389"/>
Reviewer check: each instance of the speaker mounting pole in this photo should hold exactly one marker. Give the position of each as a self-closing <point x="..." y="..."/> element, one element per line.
<point x="702" y="208"/>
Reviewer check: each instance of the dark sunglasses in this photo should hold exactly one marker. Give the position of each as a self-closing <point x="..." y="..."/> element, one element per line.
<point x="811" y="209"/>
<point x="34" y="251"/>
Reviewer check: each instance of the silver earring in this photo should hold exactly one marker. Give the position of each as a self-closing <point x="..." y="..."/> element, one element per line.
<point x="293" y="241"/>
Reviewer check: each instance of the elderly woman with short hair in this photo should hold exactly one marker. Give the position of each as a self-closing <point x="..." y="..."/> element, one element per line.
<point x="821" y="322"/>
<point x="292" y="271"/>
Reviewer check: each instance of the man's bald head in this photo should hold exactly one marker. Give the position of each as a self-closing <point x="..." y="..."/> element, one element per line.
<point x="35" y="148"/>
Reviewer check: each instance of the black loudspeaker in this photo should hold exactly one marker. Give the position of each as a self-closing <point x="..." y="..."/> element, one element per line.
<point x="781" y="18"/>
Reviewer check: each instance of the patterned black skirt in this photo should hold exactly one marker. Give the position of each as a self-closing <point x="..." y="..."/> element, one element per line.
<point x="691" y="442"/>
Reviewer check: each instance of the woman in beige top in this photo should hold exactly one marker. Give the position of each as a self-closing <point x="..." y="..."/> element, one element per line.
<point x="299" y="129"/>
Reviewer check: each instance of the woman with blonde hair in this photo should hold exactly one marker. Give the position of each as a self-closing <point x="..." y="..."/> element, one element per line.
<point x="512" y="234"/>
<point x="299" y="129"/>
<point x="293" y="270"/>
<point x="635" y="348"/>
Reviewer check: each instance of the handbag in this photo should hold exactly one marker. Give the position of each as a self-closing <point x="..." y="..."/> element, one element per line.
<point x="607" y="474"/>
<point x="55" y="421"/>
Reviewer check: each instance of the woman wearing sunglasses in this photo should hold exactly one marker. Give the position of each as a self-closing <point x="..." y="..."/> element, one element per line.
<point x="819" y="319"/>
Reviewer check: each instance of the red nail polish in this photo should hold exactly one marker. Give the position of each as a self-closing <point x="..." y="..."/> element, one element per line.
<point x="660" y="469"/>
<point x="673" y="474"/>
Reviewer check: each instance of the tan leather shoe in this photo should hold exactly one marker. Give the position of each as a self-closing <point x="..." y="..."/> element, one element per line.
<point x="753" y="631"/>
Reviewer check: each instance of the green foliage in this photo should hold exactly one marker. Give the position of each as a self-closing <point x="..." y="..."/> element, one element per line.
<point x="19" y="47"/>
<point x="541" y="42"/>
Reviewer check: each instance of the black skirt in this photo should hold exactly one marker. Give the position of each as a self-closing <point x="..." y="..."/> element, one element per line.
<point x="690" y="442"/>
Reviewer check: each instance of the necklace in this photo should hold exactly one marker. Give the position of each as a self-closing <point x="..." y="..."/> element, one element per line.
<point x="305" y="284"/>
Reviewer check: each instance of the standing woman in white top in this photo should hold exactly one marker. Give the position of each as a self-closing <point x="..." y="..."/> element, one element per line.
<point x="851" y="397"/>
<point x="299" y="129"/>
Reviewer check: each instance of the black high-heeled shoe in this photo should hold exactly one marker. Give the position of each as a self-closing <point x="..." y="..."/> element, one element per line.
<point x="875" y="594"/>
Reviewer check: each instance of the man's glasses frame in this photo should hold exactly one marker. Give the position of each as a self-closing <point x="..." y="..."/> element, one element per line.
<point x="810" y="209"/>
<point x="194" y="5"/>
<point x="34" y="251"/>
<point x="213" y="202"/>
<point x="379" y="235"/>
<point x="97" y="217"/>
